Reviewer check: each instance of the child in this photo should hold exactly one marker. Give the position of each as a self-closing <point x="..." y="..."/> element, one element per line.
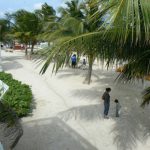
<point x="84" y="64"/>
<point x="118" y="107"/>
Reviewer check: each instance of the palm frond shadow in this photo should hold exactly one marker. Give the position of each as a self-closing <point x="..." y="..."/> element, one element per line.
<point x="98" y="75"/>
<point x="75" y="72"/>
<point x="87" y="94"/>
<point x="87" y="112"/>
<point x="52" y="133"/>
<point x="133" y="126"/>
<point x="11" y="63"/>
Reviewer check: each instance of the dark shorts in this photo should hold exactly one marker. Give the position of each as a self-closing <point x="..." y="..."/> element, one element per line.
<point x="73" y="63"/>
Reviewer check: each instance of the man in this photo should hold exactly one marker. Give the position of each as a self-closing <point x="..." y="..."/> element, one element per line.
<point x="106" y="98"/>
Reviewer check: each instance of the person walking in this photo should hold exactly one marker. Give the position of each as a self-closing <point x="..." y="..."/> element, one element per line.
<point x="106" y="98"/>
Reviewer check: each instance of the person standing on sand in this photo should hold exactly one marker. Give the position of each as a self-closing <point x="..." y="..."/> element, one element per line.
<point x="106" y="98"/>
<point x="118" y="107"/>
<point x="74" y="61"/>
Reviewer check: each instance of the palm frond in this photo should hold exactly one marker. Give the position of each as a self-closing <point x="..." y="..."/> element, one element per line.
<point x="146" y="97"/>
<point x="136" y="68"/>
<point x="130" y="19"/>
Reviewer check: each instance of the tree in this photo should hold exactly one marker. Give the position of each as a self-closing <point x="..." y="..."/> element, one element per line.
<point x="71" y="25"/>
<point x="126" y="38"/>
<point x="45" y="12"/>
<point x="124" y="35"/>
<point x="129" y="31"/>
<point x="4" y="29"/>
<point x="26" y="27"/>
<point x="73" y="9"/>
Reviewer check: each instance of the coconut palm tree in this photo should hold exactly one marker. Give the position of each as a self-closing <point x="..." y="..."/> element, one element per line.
<point x="4" y="29"/>
<point x="59" y="29"/>
<point x="124" y="35"/>
<point x="71" y="25"/>
<point x="26" y="27"/>
<point x="73" y="9"/>
<point x="129" y="30"/>
<point x="128" y="38"/>
<point x="45" y="12"/>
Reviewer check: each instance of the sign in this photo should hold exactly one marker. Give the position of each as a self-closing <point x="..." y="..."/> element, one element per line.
<point x="3" y="89"/>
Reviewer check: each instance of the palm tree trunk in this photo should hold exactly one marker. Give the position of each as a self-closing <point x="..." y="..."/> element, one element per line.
<point x="26" y="50"/>
<point x="91" y="60"/>
<point x="68" y="59"/>
<point x="32" y="48"/>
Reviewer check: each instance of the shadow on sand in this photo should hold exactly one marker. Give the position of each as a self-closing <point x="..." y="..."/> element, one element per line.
<point x="87" y="112"/>
<point x="11" y="63"/>
<point x="51" y="134"/>
<point x="69" y="72"/>
<point x="132" y="127"/>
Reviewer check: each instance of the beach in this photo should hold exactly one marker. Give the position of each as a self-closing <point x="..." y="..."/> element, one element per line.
<point x="68" y="114"/>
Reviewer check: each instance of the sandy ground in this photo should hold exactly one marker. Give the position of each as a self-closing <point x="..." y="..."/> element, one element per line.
<point x="68" y="115"/>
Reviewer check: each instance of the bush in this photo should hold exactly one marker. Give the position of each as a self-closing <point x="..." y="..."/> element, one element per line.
<point x="18" y="97"/>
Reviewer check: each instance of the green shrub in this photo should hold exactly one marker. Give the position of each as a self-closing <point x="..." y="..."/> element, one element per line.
<point x="18" y="97"/>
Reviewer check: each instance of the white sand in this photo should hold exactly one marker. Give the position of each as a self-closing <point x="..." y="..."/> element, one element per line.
<point x="68" y="114"/>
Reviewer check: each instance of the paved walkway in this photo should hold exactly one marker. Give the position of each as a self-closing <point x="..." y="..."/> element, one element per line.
<point x="67" y="114"/>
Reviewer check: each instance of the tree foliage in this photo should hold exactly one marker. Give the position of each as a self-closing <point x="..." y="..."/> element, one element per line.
<point x="4" y="29"/>
<point x="26" y="27"/>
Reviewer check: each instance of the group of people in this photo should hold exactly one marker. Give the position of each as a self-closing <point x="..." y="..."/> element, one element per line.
<point x="106" y="99"/>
